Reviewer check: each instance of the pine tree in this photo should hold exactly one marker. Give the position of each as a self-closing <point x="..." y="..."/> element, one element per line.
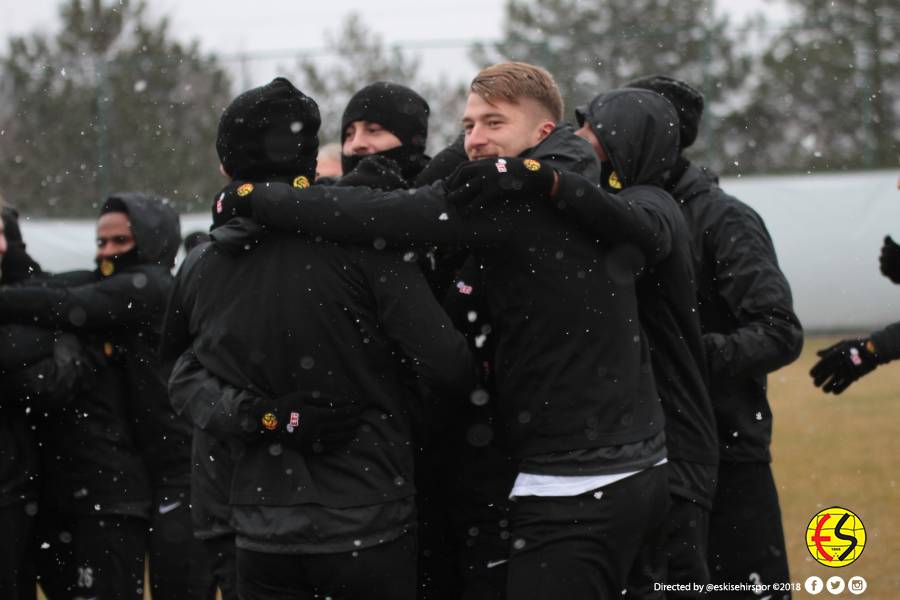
<point x="825" y="97"/>
<point x="108" y="103"/>
<point x="591" y="46"/>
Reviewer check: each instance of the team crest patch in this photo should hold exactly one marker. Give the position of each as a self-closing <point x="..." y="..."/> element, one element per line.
<point x="614" y="182"/>
<point x="464" y="288"/>
<point x="531" y="164"/>
<point x="269" y="421"/>
<point x="107" y="267"/>
<point x="245" y="189"/>
<point x="301" y="182"/>
<point x="501" y="165"/>
<point x="219" y="207"/>
<point x="835" y="537"/>
<point x="107" y="349"/>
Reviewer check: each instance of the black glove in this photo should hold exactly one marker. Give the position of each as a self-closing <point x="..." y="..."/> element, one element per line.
<point x="375" y="171"/>
<point x="443" y="164"/>
<point x="305" y="421"/>
<point x="890" y="259"/>
<point x="476" y="184"/>
<point x="233" y="200"/>
<point x="51" y="382"/>
<point x="842" y="364"/>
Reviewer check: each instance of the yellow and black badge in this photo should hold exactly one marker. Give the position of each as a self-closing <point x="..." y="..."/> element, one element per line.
<point x="107" y="267"/>
<point x="835" y="537"/>
<point x="108" y="349"/>
<point x="614" y="182"/>
<point x="269" y="421"/>
<point x="531" y="164"/>
<point x="301" y="182"/>
<point x="245" y="189"/>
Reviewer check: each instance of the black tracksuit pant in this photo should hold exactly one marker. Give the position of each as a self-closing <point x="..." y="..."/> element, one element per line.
<point x="585" y="546"/>
<point x="746" y="539"/>
<point x="222" y="558"/>
<point x="179" y="566"/>
<point x="383" y="572"/>
<point x="93" y="557"/>
<point x="16" y="565"/>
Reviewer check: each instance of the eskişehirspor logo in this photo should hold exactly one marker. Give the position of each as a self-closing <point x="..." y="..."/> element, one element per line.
<point x="835" y="537"/>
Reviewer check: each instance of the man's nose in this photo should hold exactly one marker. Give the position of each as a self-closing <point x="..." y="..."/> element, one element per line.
<point x="358" y="145"/>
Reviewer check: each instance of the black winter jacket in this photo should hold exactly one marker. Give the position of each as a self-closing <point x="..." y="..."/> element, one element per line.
<point x="278" y="313"/>
<point x="573" y="369"/>
<point x="746" y="312"/>
<point x="123" y="313"/>
<point x="648" y="217"/>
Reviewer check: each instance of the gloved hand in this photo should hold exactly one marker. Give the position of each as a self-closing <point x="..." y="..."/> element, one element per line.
<point x="305" y="421"/>
<point x="233" y="200"/>
<point x="478" y="183"/>
<point x="51" y="382"/>
<point x="375" y="171"/>
<point x="843" y="363"/>
<point x="890" y="259"/>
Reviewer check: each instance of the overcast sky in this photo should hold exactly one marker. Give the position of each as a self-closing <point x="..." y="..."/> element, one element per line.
<point x="230" y="27"/>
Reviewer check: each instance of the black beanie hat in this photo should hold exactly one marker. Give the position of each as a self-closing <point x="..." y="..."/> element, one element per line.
<point x="686" y="100"/>
<point x="269" y="131"/>
<point x="395" y="107"/>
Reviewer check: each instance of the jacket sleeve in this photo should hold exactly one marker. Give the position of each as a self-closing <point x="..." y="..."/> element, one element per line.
<point x="120" y="299"/>
<point x="887" y="342"/>
<point x="175" y="338"/>
<point x="411" y="316"/>
<point x="361" y="215"/>
<point x="640" y="215"/>
<point x="768" y="335"/>
<point x="207" y="401"/>
<point x="22" y="345"/>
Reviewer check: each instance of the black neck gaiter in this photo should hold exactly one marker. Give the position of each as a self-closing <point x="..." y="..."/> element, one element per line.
<point x="410" y="158"/>
<point x="115" y="264"/>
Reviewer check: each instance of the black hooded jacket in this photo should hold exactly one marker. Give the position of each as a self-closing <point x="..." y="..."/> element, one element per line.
<point x="746" y="311"/>
<point x="666" y="285"/>
<point x="122" y="314"/>
<point x="572" y="366"/>
<point x="345" y="323"/>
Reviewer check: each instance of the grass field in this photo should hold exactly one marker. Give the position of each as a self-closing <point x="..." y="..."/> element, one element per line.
<point x="839" y="451"/>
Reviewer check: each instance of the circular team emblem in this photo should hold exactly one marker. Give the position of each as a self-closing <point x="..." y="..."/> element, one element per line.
<point x="107" y="267"/>
<point x="531" y="164"/>
<point x="245" y="189"/>
<point x="835" y="537"/>
<point x="614" y="182"/>
<point x="269" y="421"/>
<point x="301" y="182"/>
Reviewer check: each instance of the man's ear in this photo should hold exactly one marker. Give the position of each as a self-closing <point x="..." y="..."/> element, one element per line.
<point x="546" y="129"/>
<point x="224" y="172"/>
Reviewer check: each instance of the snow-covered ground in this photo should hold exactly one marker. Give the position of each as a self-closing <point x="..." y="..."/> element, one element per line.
<point x="827" y="229"/>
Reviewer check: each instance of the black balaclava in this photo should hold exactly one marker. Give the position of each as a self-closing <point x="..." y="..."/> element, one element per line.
<point x="270" y="132"/>
<point x="401" y="111"/>
<point x="113" y="264"/>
